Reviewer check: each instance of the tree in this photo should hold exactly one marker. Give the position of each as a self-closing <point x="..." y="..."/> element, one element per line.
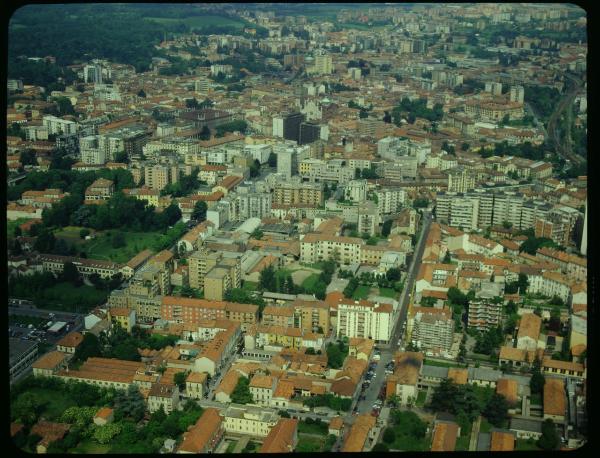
<point x="386" y="227"/>
<point x="89" y="346"/>
<point x="255" y="168"/>
<point x="28" y="157"/>
<point x="70" y="273"/>
<point x="496" y="410"/>
<point x="204" y="133"/>
<point x="537" y="381"/>
<point x="393" y="274"/>
<point x="130" y="403"/>
<point x="179" y="379"/>
<point x="465" y="146"/>
<point x="272" y="161"/>
<point x="27" y="408"/>
<point x="381" y="448"/>
<point x="199" y="212"/>
<point x="549" y="440"/>
<point x="122" y="157"/>
<point x="241" y="393"/>
<point x="104" y="434"/>
<point x="83" y="233"/>
<point x="389" y="436"/>
<point x="141" y="93"/>
<point x="267" y="280"/>
<point x="45" y="241"/>
<point x="118" y="240"/>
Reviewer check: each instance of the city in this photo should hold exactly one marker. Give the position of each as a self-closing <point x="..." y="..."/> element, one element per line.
<point x="274" y="228"/>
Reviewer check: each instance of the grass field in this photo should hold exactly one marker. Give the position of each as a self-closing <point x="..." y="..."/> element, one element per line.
<point x="361" y="292"/>
<point x="101" y="247"/>
<point x="320" y="429"/>
<point x="65" y="296"/>
<point x="230" y="447"/>
<point x="55" y="402"/>
<point x="200" y="21"/>
<point x="310" y="281"/>
<point x="388" y="292"/>
<point x="10" y="226"/>
<point x="421" y="397"/>
<point x="309" y="444"/>
<point x="485" y="426"/>
<point x="89" y="446"/>
<point x="526" y="444"/>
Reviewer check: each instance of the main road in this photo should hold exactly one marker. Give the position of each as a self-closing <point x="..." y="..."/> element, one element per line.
<point x="554" y="132"/>
<point x="387" y="350"/>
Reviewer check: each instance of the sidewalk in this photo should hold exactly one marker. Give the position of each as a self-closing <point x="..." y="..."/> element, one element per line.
<point x="474" y="435"/>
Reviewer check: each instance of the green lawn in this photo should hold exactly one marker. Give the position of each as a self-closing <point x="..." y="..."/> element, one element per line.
<point x="90" y="446"/>
<point x="407" y="443"/>
<point x="526" y="444"/>
<point x="231" y="446"/>
<point x="55" y="402"/>
<point x="312" y="428"/>
<point x="310" y="281"/>
<point x="309" y="444"/>
<point x="11" y="225"/>
<point x="250" y="285"/>
<point x="421" y="397"/>
<point x="485" y="426"/>
<point x="66" y="297"/>
<point x="388" y="292"/>
<point x="362" y="292"/>
<point x="432" y="362"/>
<point x="101" y="247"/>
<point x="200" y="21"/>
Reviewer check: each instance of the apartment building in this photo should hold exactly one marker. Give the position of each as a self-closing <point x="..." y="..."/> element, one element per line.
<point x="319" y="247"/>
<point x="196" y="385"/>
<point x="55" y="263"/>
<point x="404" y="381"/>
<point x="528" y="334"/>
<point x="22" y="353"/>
<point x="493" y="111"/>
<point x="159" y="176"/>
<point x="249" y="421"/>
<point x="332" y="171"/>
<point x="284" y="316"/>
<point x="432" y="329"/>
<point x="365" y="319"/>
<point x="200" y="263"/>
<point x="216" y="283"/>
<point x="205" y="435"/>
<point x="194" y="311"/>
<point x="390" y="200"/>
<point x="163" y="396"/>
<point x="283" y="437"/>
<point x="101" y="189"/>
<point x="291" y="193"/>
<point x="59" y="126"/>
<point x="484" y="314"/>
<point x="460" y="179"/>
<point x="262" y="388"/>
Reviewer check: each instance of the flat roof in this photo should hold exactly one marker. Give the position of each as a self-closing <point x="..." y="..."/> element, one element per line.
<point x="17" y="348"/>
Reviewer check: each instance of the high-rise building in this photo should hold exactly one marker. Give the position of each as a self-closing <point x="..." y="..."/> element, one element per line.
<point x="309" y="133"/>
<point x="583" y="247"/>
<point x="159" y="176"/>
<point x="291" y="126"/>
<point x="432" y="329"/>
<point x="517" y="94"/>
<point x="493" y="87"/>
<point x="460" y="179"/>
<point x="323" y="64"/>
<point x="92" y="73"/>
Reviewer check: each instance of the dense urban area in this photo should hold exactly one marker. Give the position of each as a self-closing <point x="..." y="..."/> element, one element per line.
<point x="254" y="228"/>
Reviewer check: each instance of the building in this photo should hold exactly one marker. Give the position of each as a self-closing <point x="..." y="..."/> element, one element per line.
<point x="445" y="434"/>
<point x="555" y="399"/>
<point x="159" y="176"/>
<point x="291" y="193"/>
<point x="50" y="364"/>
<point x="196" y="385"/>
<point x="365" y="319"/>
<point x="122" y="316"/>
<point x="70" y="342"/>
<point x="404" y="381"/>
<point x="432" y="329"/>
<point x="529" y="331"/>
<point x="163" y="396"/>
<point x="101" y="189"/>
<point x="21" y="355"/>
<point x="49" y="432"/>
<point x="316" y="247"/>
<point x="460" y="179"/>
<point x="282" y="438"/>
<point x="249" y="421"/>
<point x="484" y="314"/>
<point x="205" y="435"/>
<point x="291" y="126"/>
<point x="361" y="432"/>
<point x="58" y="126"/>
<point x="104" y="416"/>
<point x="216" y="283"/>
<point x="262" y="388"/>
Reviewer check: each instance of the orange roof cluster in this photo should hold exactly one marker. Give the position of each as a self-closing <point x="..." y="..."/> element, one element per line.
<point x="555" y="401"/>
<point x="530" y="326"/>
<point x="50" y="360"/>
<point x="49" y="431"/>
<point x="282" y="437"/>
<point x="72" y="339"/>
<point x="229" y="382"/>
<point x="508" y="388"/>
<point x="444" y="437"/>
<point x="285" y="389"/>
<point x="198" y="436"/>
<point x="458" y="375"/>
<point x="357" y="436"/>
<point x="502" y="441"/>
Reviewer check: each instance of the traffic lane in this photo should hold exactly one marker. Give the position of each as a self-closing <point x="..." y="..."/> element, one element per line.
<point x="372" y="392"/>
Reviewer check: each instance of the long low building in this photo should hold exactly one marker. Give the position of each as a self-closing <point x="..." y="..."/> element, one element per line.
<point x="55" y="263"/>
